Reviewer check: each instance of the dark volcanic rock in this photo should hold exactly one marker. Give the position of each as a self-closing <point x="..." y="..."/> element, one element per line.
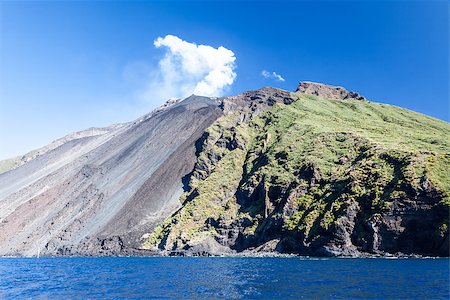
<point x="253" y="102"/>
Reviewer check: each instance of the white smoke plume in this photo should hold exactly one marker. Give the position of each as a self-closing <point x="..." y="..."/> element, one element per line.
<point x="188" y="68"/>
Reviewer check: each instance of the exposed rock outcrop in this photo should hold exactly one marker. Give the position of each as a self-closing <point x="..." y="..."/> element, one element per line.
<point x="253" y="102"/>
<point x="327" y="91"/>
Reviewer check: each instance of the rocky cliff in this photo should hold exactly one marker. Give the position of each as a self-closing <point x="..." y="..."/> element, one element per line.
<point x="320" y="171"/>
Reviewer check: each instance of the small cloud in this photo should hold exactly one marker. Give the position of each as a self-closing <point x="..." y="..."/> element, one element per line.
<point x="265" y="74"/>
<point x="188" y="68"/>
<point x="272" y="75"/>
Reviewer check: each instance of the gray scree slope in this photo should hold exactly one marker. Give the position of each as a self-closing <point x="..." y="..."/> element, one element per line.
<point x="98" y="191"/>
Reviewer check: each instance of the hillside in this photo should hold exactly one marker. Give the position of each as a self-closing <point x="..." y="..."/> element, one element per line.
<point x="96" y="192"/>
<point x="315" y="176"/>
<point x="319" y="171"/>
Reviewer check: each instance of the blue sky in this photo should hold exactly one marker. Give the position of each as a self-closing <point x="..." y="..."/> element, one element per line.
<point x="67" y="66"/>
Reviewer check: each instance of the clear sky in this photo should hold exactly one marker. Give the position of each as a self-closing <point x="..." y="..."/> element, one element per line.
<point x="67" y="66"/>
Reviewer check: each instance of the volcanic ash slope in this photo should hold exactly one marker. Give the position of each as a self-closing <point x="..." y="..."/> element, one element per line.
<point x="97" y="192"/>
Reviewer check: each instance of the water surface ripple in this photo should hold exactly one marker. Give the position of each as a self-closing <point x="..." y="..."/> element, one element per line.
<point x="254" y="278"/>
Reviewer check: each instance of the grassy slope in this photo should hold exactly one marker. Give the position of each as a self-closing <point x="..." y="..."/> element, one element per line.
<point x="324" y="131"/>
<point x="324" y="154"/>
<point x="11" y="163"/>
<point x="8" y="164"/>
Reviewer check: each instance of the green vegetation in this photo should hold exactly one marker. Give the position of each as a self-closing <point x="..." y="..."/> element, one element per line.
<point x="11" y="163"/>
<point x="8" y="164"/>
<point x="213" y="196"/>
<point x="310" y="161"/>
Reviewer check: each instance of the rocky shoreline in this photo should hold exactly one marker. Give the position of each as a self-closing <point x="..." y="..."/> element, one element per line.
<point x="245" y="254"/>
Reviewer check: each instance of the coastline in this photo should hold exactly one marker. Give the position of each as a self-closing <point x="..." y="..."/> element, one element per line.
<point x="245" y="254"/>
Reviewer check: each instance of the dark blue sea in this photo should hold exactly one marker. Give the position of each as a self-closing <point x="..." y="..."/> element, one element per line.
<point x="205" y="278"/>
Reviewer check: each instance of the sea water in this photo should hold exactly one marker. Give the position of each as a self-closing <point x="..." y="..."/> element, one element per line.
<point x="223" y="277"/>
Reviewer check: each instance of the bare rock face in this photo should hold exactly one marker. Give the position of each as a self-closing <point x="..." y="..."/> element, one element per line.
<point x="252" y="102"/>
<point x="327" y="91"/>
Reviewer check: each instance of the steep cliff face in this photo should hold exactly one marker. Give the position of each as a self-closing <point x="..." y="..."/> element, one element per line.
<point x="298" y="173"/>
<point x="97" y="192"/>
